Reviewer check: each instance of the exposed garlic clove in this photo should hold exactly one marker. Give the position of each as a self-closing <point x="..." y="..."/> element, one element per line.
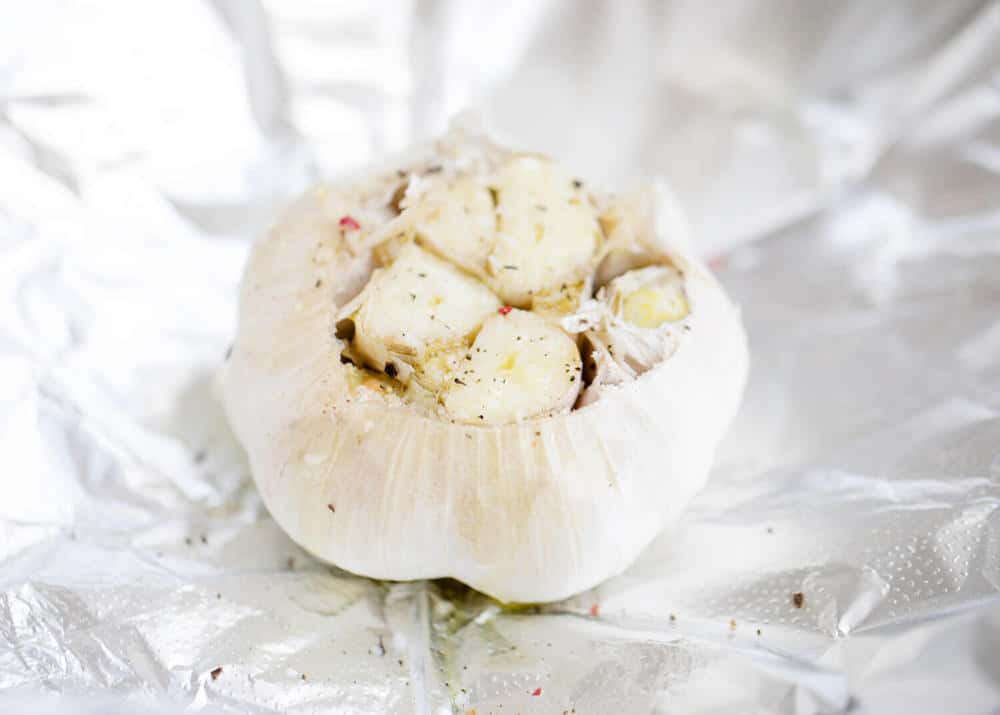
<point x="547" y="231"/>
<point x="649" y="297"/>
<point x="413" y="308"/>
<point x="630" y="326"/>
<point x="519" y="366"/>
<point x="455" y="220"/>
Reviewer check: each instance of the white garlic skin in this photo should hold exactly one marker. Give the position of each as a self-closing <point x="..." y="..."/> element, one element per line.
<point x="525" y="512"/>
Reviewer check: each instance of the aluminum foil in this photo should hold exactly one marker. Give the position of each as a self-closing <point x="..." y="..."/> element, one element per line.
<point x="840" y="162"/>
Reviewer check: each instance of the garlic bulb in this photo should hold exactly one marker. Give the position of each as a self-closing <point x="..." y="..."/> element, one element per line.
<point x="473" y="367"/>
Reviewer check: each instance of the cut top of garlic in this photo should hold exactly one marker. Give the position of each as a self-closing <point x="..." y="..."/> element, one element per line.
<point x="483" y="301"/>
<point x="527" y="229"/>
<point x="456" y="219"/>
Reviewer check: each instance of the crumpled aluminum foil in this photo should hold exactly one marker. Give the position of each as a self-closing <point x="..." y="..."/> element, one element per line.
<point x="841" y="162"/>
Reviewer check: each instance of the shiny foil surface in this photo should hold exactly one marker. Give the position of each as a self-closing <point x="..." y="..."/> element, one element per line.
<point x="840" y="163"/>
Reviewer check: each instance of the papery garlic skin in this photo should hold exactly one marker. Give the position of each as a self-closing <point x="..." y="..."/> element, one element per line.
<point x="365" y="478"/>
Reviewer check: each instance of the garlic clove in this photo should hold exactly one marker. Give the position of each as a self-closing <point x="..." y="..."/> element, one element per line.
<point x="455" y="219"/>
<point x="547" y="232"/>
<point x="649" y="297"/>
<point x="519" y="366"/>
<point x="417" y="306"/>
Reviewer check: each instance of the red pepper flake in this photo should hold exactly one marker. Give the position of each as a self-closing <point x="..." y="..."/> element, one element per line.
<point x="536" y="692"/>
<point x="216" y="673"/>
<point x="595" y="610"/>
<point x="348" y="222"/>
<point x="506" y="309"/>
